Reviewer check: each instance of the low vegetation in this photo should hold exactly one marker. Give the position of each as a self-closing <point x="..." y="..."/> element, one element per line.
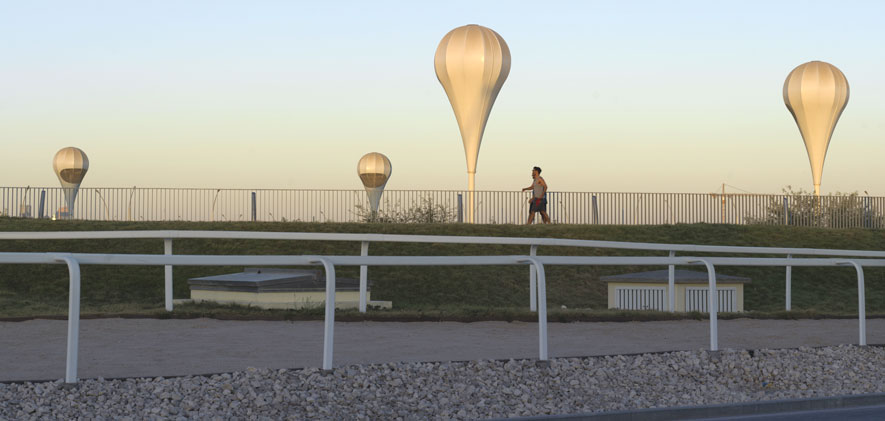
<point x="431" y="293"/>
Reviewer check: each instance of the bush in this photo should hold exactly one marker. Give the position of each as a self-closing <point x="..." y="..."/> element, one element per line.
<point x="427" y="212"/>
<point x="839" y="210"/>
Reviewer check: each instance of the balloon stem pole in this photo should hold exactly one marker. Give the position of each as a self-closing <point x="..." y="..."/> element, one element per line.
<point x="471" y="205"/>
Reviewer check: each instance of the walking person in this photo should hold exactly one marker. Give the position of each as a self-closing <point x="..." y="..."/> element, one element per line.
<point x="538" y="202"/>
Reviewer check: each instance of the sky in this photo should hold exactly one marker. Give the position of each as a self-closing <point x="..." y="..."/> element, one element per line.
<point x="632" y="96"/>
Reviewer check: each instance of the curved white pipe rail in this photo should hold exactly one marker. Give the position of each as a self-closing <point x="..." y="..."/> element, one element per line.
<point x="713" y="306"/>
<point x="861" y="302"/>
<point x="329" y="325"/>
<point x="541" y="278"/>
<point x="72" y="354"/>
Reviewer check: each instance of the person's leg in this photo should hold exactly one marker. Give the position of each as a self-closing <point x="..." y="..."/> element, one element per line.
<point x="531" y="218"/>
<point x="545" y="217"/>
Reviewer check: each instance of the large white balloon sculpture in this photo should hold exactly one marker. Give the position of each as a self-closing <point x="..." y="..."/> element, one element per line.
<point x="472" y="62"/>
<point x="70" y="165"/>
<point x="374" y="170"/>
<point x="816" y="94"/>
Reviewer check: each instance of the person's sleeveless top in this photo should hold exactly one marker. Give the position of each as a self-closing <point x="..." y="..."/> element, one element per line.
<point x="537" y="188"/>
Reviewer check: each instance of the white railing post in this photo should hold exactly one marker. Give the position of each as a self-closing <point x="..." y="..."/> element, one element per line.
<point x="861" y="303"/>
<point x="542" y="308"/>
<point x="789" y="286"/>
<point x="671" y="285"/>
<point x="167" y="250"/>
<point x="713" y="304"/>
<point x="364" y="277"/>
<point x="329" y="324"/>
<point x="73" y="317"/>
<point x="533" y="288"/>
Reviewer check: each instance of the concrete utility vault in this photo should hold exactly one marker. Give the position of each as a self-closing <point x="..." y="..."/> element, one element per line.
<point x="648" y="291"/>
<point x="273" y="288"/>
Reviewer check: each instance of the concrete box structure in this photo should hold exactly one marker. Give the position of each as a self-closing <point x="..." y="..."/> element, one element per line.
<point x="648" y="291"/>
<point x="272" y="288"/>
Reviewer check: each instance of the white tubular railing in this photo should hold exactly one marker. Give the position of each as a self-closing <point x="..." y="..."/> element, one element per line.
<point x="861" y="302"/>
<point x="74" y="260"/>
<point x="365" y="239"/>
<point x="538" y="269"/>
<point x="73" y="317"/>
<point x="329" y="327"/>
<point x="713" y="296"/>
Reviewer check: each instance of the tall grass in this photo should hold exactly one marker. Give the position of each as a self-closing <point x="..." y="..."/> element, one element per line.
<point x="458" y="293"/>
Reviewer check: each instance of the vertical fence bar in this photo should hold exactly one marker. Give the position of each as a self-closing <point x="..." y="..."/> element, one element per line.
<point x="671" y="285"/>
<point x="167" y="250"/>
<point x="364" y="277"/>
<point x="533" y="289"/>
<point x="789" y="281"/>
<point x="254" y="208"/>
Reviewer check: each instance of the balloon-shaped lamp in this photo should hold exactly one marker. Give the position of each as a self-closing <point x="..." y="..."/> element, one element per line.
<point x="472" y="62"/>
<point x="70" y="165"/>
<point x="374" y="170"/>
<point x="816" y="94"/>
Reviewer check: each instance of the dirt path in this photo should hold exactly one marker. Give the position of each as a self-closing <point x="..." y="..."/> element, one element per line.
<point x="35" y="350"/>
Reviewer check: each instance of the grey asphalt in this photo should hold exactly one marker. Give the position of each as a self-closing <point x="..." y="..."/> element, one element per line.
<point x="866" y="413"/>
<point x="110" y="348"/>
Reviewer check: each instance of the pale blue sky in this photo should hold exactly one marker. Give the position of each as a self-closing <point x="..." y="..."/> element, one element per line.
<point x="605" y="96"/>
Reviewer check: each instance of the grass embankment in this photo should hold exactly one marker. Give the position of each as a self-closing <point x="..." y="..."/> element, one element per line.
<point x="431" y="293"/>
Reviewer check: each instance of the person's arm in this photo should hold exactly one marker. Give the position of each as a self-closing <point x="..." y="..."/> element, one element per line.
<point x="528" y="188"/>
<point x="544" y="185"/>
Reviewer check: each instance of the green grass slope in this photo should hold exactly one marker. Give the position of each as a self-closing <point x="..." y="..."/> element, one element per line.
<point x="468" y="293"/>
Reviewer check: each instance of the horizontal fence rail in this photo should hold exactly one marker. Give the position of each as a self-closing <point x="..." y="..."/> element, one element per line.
<point x="441" y="206"/>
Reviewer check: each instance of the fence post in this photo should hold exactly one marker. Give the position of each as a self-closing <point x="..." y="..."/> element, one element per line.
<point x="329" y="324"/>
<point x="533" y="289"/>
<point x="671" y="285"/>
<point x="861" y="303"/>
<point x="42" y="203"/>
<point x="595" y="211"/>
<point x="460" y="208"/>
<point x="550" y="206"/>
<point x="786" y="212"/>
<point x="364" y="276"/>
<point x="73" y="317"/>
<point x="167" y="250"/>
<point x="254" y="208"/>
<point x="789" y="292"/>
<point x="713" y="304"/>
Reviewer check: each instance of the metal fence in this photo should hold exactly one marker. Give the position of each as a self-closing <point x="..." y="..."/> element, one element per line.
<point x="492" y="207"/>
<point x="537" y="282"/>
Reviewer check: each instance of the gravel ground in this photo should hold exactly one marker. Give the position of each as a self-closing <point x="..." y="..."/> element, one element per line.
<point x="464" y="390"/>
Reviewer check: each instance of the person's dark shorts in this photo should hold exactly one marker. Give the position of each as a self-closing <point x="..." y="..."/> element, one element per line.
<point x="538" y="205"/>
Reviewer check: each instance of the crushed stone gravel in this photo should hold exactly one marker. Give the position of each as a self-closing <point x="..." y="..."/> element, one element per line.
<point x="463" y="390"/>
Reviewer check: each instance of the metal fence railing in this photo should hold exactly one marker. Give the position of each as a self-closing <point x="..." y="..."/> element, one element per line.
<point x="537" y="282"/>
<point x="492" y="207"/>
